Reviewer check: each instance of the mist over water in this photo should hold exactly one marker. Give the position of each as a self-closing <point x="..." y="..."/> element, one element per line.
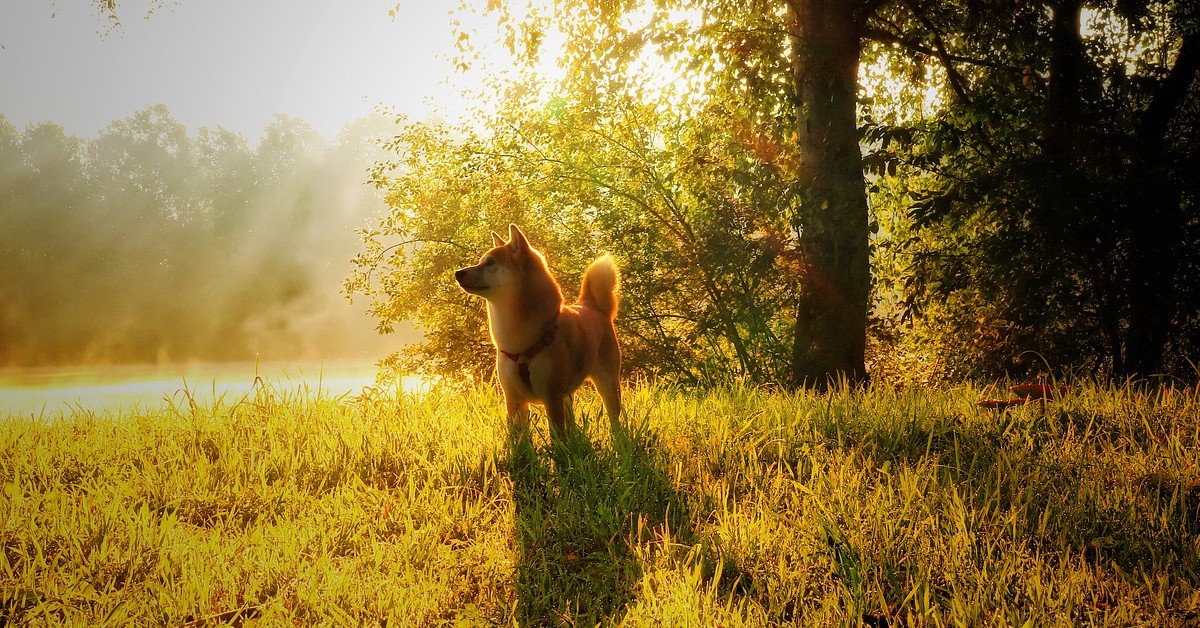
<point x="48" y="392"/>
<point x="153" y="245"/>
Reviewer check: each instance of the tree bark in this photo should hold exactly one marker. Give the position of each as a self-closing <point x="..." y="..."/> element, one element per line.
<point x="831" y="313"/>
<point x="1067" y="62"/>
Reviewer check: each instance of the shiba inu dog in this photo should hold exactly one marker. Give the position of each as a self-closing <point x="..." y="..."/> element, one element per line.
<point x="545" y="349"/>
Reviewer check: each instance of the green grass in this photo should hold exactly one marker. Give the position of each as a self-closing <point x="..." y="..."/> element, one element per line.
<point x="733" y="507"/>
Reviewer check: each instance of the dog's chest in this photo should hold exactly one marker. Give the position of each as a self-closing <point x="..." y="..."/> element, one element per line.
<point x="512" y="380"/>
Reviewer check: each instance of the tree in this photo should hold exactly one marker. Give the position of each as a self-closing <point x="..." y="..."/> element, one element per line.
<point x="748" y="48"/>
<point x="42" y="179"/>
<point x="1059" y="214"/>
<point x="746" y="244"/>
<point x="831" y="316"/>
<point x="682" y="197"/>
<point x="795" y="61"/>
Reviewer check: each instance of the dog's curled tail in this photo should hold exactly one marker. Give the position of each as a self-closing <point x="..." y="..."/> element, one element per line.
<point x="600" y="284"/>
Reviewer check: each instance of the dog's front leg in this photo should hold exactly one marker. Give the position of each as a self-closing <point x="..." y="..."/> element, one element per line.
<point x="518" y="416"/>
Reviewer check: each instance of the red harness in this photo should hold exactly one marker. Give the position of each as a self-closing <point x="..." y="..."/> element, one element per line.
<point x="522" y="359"/>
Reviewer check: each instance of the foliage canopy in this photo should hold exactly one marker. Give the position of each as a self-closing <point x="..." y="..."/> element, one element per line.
<point x="1029" y="168"/>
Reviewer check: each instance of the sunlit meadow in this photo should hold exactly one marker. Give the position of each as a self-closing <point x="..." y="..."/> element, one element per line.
<point x="284" y="498"/>
<point x="732" y="507"/>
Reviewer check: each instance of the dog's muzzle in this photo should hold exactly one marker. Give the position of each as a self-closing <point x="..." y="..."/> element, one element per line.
<point x="461" y="276"/>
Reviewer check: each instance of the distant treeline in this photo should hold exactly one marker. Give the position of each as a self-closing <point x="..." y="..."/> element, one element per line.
<point x="147" y="244"/>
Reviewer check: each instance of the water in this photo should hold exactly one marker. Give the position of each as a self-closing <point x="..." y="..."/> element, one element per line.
<point x="51" y="391"/>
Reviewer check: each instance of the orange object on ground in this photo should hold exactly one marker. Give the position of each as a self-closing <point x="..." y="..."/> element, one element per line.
<point x="1037" y="391"/>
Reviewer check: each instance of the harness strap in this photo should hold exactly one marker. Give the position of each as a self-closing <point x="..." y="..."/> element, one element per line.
<point x="522" y="359"/>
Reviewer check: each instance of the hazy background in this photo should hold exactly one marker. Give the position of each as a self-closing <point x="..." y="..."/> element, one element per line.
<point x="183" y="186"/>
<point x="147" y="244"/>
<point x="225" y="62"/>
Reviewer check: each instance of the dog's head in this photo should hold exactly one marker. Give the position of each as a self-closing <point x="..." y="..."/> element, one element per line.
<point x="499" y="269"/>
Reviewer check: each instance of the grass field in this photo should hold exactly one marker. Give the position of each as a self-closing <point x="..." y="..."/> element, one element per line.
<point x="726" y="508"/>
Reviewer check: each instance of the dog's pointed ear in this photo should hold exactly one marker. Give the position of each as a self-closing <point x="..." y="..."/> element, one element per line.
<point x="497" y="240"/>
<point x="517" y="238"/>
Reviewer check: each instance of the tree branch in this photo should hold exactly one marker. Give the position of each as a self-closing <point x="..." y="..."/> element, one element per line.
<point x="956" y="80"/>
<point x="865" y="11"/>
<point x="1171" y="93"/>
<point x="883" y="36"/>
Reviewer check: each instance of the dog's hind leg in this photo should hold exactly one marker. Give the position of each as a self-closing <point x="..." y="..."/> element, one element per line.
<point x="558" y="409"/>
<point x="609" y="388"/>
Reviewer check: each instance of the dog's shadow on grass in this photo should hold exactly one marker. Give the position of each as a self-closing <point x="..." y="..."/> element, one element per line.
<point x="581" y="508"/>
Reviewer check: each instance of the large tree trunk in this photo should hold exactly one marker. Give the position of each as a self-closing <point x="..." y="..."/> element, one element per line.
<point x="831" y="314"/>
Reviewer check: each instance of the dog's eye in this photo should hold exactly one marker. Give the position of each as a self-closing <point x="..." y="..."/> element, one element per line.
<point x="489" y="261"/>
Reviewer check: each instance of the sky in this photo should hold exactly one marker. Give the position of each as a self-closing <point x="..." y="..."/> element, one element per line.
<point x="233" y="63"/>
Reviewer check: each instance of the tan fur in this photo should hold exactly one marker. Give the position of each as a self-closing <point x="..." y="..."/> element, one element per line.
<point x="522" y="300"/>
<point x="599" y="289"/>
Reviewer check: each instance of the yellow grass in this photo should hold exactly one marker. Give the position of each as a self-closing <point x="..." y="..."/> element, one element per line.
<point x="730" y="507"/>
